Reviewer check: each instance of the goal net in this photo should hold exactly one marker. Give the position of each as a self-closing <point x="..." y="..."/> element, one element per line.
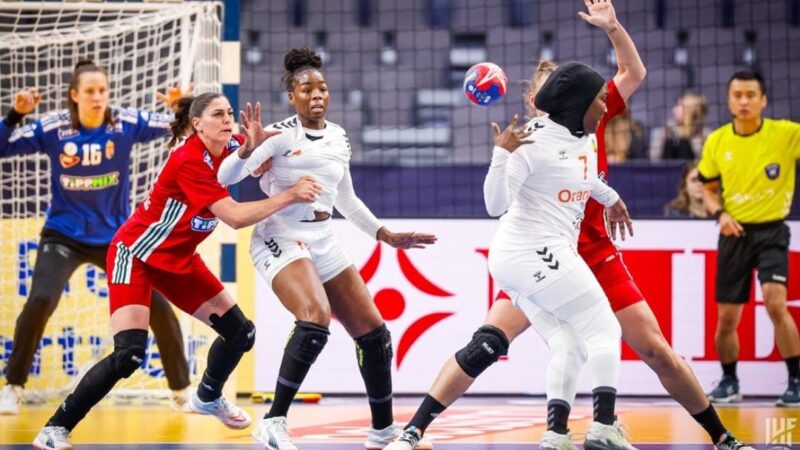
<point x="145" y="47"/>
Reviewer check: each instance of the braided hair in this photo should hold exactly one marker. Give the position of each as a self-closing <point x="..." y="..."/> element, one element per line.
<point x="296" y="61"/>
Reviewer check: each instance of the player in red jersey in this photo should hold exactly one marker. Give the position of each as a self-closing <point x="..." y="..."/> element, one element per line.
<point x="639" y="326"/>
<point x="156" y="249"/>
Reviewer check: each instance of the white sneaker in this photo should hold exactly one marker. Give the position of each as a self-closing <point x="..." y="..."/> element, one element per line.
<point x="274" y="434"/>
<point x="10" y="398"/>
<point x="606" y="437"/>
<point x="408" y="439"/>
<point x="229" y="414"/>
<point x="554" y="441"/>
<point x="180" y="401"/>
<point x="52" y="438"/>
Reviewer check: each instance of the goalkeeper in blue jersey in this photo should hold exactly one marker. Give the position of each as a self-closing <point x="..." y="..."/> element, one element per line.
<point x="89" y="146"/>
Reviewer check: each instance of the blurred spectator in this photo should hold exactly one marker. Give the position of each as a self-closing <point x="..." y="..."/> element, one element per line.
<point x="684" y="134"/>
<point x="625" y="139"/>
<point x="689" y="202"/>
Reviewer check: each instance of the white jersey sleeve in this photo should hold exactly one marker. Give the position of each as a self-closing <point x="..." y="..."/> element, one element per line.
<point x="234" y="169"/>
<point x="495" y="190"/>
<point x="353" y="209"/>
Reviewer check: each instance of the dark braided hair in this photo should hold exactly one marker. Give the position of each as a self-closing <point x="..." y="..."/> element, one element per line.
<point x="84" y="66"/>
<point x="296" y="61"/>
<point x="186" y="109"/>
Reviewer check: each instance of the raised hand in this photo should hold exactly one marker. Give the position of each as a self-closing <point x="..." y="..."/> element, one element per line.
<point x="511" y="137"/>
<point x="601" y="14"/>
<point x="618" y="219"/>
<point x="26" y="100"/>
<point x="255" y="132"/>
<point x="406" y="240"/>
<point x="174" y="93"/>
<point x="306" y="190"/>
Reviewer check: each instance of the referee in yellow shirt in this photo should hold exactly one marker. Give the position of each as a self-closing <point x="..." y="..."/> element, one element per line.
<point x="753" y="159"/>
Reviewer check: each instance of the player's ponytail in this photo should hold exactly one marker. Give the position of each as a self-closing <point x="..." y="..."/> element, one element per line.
<point x="298" y="60"/>
<point x="186" y="109"/>
<point x="84" y="66"/>
<point x="543" y="70"/>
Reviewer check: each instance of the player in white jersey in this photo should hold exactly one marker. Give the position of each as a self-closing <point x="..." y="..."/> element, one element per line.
<point x="300" y="259"/>
<point x="534" y="253"/>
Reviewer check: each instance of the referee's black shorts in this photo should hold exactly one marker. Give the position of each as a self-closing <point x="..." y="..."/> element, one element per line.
<point x="765" y="247"/>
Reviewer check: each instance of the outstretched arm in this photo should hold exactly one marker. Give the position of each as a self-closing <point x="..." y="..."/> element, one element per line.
<point x="630" y="68"/>
<point x="25" y="139"/>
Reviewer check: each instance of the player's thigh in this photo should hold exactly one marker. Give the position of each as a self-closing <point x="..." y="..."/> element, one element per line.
<point x="197" y="292"/>
<point x="617" y="282"/>
<point x="352" y="303"/>
<point x="508" y="318"/>
<point x="772" y="259"/>
<point x="129" y="289"/>
<point x="287" y="267"/>
<point x="55" y="263"/>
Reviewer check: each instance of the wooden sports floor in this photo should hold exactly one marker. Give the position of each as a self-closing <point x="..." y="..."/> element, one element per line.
<point x="339" y="424"/>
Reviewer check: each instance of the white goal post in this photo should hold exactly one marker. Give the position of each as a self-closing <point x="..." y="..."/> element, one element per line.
<point x="145" y="47"/>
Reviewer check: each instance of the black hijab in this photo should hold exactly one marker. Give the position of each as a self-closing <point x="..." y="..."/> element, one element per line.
<point x="568" y="93"/>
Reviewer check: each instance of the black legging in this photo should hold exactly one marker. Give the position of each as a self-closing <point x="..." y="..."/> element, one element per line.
<point x="57" y="258"/>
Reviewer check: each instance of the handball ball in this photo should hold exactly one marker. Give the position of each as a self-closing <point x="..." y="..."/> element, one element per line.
<point x="485" y="83"/>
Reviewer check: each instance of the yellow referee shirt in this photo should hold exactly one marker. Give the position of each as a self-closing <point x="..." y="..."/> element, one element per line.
<point x="757" y="172"/>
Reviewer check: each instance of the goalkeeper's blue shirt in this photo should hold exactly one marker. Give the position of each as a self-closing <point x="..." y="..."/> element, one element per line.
<point x="89" y="168"/>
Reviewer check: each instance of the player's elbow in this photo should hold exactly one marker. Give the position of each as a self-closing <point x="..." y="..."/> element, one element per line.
<point x="494" y="210"/>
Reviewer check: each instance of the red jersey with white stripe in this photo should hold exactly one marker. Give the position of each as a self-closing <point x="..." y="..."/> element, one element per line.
<point x="166" y="229"/>
<point x="593" y="227"/>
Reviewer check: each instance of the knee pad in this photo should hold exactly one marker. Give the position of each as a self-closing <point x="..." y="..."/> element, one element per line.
<point x="129" y="352"/>
<point x="375" y="348"/>
<point x="488" y="344"/>
<point x="238" y="332"/>
<point x="306" y="341"/>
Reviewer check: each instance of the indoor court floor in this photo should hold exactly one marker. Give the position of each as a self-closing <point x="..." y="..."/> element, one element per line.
<point x="339" y="424"/>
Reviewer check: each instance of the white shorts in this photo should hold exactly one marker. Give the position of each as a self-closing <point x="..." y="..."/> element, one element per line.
<point x="277" y="242"/>
<point x="528" y="270"/>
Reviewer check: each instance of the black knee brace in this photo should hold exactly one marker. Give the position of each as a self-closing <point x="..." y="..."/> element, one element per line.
<point x="375" y="348"/>
<point x="306" y="341"/>
<point x="234" y="327"/>
<point x="488" y="344"/>
<point x="129" y="352"/>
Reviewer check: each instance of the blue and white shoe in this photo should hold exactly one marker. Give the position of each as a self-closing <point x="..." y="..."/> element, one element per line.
<point x="791" y="397"/>
<point x="727" y="391"/>
<point x="229" y="414"/>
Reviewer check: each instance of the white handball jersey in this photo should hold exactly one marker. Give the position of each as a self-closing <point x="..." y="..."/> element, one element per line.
<point x="298" y="152"/>
<point x="543" y="186"/>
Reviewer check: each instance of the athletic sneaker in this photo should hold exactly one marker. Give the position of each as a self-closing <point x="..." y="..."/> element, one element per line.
<point x="606" y="437"/>
<point x="555" y="441"/>
<point x="727" y="391"/>
<point x="274" y="434"/>
<point x="410" y="439"/>
<point x="731" y="443"/>
<point x="385" y="438"/>
<point x="52" y="438"/>
<point x="10" y="398"/>
<point x="180" y="401"/>
<point x="229" y="414"/>
<point x="792" y="395"/>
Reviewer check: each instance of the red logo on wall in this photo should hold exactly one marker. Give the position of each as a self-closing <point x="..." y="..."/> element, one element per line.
<point x="392" y="303"/>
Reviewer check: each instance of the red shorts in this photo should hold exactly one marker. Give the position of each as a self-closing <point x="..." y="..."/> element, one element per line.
<point x="606" y="263"/>
<point x="131" y="281"/>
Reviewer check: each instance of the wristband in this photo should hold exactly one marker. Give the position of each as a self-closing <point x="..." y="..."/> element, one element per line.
<point x="13" y="118"/>
<point x="716" y="214"/>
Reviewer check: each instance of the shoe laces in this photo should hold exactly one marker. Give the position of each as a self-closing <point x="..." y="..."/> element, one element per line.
<point x="60" y="432"/>
<point x="622" y="429"/>
<point x="730" y="442"/>
<point x="411" y="435"/>
<point x="281" y="425"/>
